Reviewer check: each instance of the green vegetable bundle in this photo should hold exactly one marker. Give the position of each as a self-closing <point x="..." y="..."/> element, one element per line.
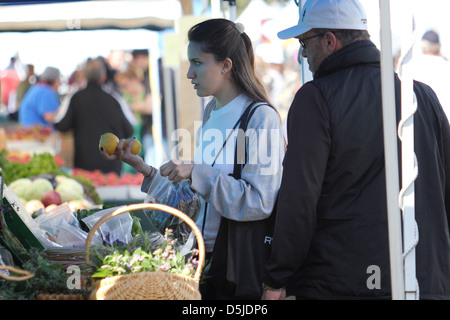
<point x="41" y="165"/>
<point x="38" y="164"/>
<point x="49" y="278"/>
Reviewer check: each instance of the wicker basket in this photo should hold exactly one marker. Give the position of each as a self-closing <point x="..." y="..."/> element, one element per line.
<point x="65" y="256"/>
<point x="25" y="274"/>
<point x="149" y="285"/>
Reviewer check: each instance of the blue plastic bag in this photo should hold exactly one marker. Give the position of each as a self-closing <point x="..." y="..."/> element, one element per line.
<point x="176" y="195"/>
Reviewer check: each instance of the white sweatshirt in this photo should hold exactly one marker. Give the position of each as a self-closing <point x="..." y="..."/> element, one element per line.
<point x="252" y="197"/>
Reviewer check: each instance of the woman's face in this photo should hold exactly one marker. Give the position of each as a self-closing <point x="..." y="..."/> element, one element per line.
<point x="204" y="71"/>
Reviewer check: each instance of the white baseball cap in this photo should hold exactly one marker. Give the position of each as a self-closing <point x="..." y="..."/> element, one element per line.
<point x="327" y="14"/>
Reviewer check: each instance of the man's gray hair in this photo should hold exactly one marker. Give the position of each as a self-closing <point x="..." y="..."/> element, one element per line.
<point x="347" y="36"/>
<point x="94" y="70"/>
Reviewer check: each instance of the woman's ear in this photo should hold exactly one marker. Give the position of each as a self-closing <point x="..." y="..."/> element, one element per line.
<point x="227" y="65"/>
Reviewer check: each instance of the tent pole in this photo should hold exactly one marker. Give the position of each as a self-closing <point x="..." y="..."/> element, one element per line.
<point x="409" y="162"/>
<point x="391" y="156"/>
<point x="306" y="73"/>
<point x="232" y="9"/>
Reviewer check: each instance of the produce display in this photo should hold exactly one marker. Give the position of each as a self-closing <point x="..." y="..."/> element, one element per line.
<point x="100" y="179"/>
<point x="37" y="164"/>
<point x="36" y="132"/>
<point x="24" y="157"/>
<point x="48" y="192"/>
<point x="61" y="205"/>
<point x="41" y="183"/>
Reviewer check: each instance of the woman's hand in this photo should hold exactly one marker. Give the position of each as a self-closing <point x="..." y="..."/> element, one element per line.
<point x="177" y="170"/>
<point x="278" y="294"/>
<point x="125" y="155"/>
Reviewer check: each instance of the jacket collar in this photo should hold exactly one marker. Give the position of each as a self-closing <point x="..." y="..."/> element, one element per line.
<point x="93" y="84"/>
<point x="359" y="52"/>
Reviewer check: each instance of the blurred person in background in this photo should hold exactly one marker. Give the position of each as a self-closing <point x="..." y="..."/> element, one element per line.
<point x="111" y="86"/>
<point x="41" y="101"/>
<point x="140" y="64"/>
<point x="9" y="79"/>
<point x="272" y="56"/>
<point x="92" y="112"/>
<point x="22" y="88"/>
<point x="26" y="84"/>
<point x="433" y="69"/>
<point x="133" y="92"/>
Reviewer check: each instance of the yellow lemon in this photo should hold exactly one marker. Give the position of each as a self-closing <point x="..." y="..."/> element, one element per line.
<point x="135" y="148"/>
<point x="109" y="141"/>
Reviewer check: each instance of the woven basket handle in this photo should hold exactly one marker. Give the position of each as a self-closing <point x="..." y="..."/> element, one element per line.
<point x="26" y="275"/>
<point x="153" y="206"/>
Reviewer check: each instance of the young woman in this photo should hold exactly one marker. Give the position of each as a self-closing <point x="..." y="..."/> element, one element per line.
<point x="222" y="66"/>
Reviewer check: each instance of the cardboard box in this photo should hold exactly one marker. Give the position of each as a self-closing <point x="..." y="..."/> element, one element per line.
<point x="17" y="235"/>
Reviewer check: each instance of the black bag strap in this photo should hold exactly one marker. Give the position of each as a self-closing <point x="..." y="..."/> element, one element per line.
<point x="240" y="154"/>
<point x="242" y="119"/>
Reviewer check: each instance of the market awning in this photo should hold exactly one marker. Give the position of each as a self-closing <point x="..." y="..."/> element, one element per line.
<point x="89" y="15"/>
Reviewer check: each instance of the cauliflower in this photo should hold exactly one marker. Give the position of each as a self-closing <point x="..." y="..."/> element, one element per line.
<point x="70" y="189"/>
<point x="20" y="187"/>
<point x="37" y="188"/>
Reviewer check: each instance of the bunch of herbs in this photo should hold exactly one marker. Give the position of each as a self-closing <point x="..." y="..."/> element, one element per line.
<point x="143" y="254"/>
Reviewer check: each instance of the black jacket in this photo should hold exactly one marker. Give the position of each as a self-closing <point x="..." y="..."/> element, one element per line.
<point x="332" y="218"/>
<point x="91" y="113"/>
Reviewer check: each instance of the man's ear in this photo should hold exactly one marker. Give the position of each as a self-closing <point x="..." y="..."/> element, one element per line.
<point x="332" y="42"/>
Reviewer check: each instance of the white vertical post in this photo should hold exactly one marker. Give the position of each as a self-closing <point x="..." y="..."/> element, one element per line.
<point x="391" y="156"/>
<point x="157" y="131"/>
<point x="409" y="166"/>
<point x="215" y="8"/>
<point x="233" y="10"/>
<point x="306" y="73"/>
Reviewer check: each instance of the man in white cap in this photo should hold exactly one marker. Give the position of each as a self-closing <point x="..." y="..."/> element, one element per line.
<point x="331" y="229"/>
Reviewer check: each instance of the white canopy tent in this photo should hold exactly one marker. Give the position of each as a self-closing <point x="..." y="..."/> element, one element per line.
<point x="65" y="34"/>
<point x="89" y="15"/>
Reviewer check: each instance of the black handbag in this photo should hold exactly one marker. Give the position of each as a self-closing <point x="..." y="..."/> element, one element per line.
<point x="241" y="248"/>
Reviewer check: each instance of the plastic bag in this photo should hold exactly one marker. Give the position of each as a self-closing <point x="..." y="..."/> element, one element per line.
<point x="56" y="216"/>
<point x="116" y="230"/>
<point x="63" y="227"/>
<point x="176" y="195"/>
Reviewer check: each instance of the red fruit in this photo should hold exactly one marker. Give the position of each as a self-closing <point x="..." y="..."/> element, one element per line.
<point x="51" y="197"/>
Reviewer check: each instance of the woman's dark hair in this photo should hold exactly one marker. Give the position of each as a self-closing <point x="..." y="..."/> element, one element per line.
<point x="223" y="39"/>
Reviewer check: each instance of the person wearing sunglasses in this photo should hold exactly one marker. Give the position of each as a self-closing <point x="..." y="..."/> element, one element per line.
<point x="331" y="232"/>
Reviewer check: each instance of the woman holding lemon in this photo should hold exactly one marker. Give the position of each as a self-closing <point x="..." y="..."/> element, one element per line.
<point x="221" y="61"/>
